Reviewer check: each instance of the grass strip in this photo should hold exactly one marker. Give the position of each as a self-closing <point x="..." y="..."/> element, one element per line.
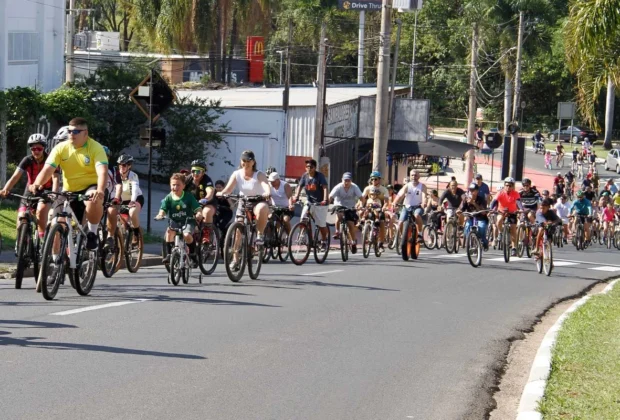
<point x="8" y="220"/>
<point x="585" y="367"/>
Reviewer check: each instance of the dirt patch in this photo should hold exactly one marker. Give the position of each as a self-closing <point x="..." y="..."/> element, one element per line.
<point x="520" y="358"/>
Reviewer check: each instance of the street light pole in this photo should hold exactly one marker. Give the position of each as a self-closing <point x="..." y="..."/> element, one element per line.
<point x="412" y="68"/>
<point x="280" y="52"/>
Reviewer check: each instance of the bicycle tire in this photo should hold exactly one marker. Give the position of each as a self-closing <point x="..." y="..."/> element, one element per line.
<point x="164" y="254"/>
<point x="299" y="243"/>
<point x="450" y="236"/>
<point x="405" y="243"/>
<point x="24" y="238"/>
<point x="429" y="235"/>
<point x="133" y="260"/>
<point x="209" y="250"/>
<point x="108" y="268"/>
<point x="617" y="239"/>
<point x="528" y="244"/>
<point x="35" y="255"/>
<point x="521" y="232"/>
<point x="268" y="236"/>
<point x="252" y="251"/>
<point x="229" y="242"/>
<point x="49" y="267"/>
<point x="344" y="242"/>
<point x="175" y="268"/>
<point x="415" y="243"/>
<point x="84" y="277"/>
<point x="506" y="246"/>
<point x="283" y="252"/>
<point x="547" y="254"/>
<point x="187" y="271"/>
<point x="398" y="240"/>
<point x="321" y="259"/>
<point x="366" y="232"/>
<point x="473" y="243"/>
<point x="579" y="238"/>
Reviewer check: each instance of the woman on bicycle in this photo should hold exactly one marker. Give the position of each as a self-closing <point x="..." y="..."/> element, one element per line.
<point x="250" y="182"/>
<point x="128" y="192"/>
<point x="471" y="204"/>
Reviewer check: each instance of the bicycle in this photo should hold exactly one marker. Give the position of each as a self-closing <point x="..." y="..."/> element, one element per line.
<point x="559" y="161"/>
<point x="410" y="245"/>
<point x="240" y="247"/>
<point x="473" y="241"/>
<point x="345" y="241"/>
<point x="505" y="243"/>
<point x="207" y="240"/>
<point x="451" y="234"/>
<point x="370" y="235"/>
<point x="544" y="259"/>
<point x="180" y="264"/>
<point x="608" y="236"/>
<point x="300" y="241"/>
<point x="430" y="234"/>
<point x="558" y="237"/>
<point x="132" y="250"/>
<point x="276" y="236"/>
<point x="579" y="236"/>
<point x="397" y="234"/>
<point x="109" y="258"/>
<point x="524" y="238"/>
<point x="28" y="244"/>
<point x="81" y="262"/>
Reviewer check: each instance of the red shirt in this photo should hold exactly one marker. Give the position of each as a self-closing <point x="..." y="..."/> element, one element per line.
<point x="507" y="201"/>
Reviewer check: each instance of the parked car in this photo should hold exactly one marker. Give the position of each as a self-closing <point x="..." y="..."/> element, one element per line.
<point x="612" y="162"/>
<point x="574" y="134"/>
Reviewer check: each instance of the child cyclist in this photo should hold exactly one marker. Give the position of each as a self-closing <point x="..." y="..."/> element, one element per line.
<point x="179" y="206"/>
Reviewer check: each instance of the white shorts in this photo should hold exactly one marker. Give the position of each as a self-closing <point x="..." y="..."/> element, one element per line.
<point x="319" y="213"/>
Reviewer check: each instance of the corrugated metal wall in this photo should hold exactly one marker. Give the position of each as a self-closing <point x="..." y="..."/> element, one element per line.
<point x="300" y="131"/>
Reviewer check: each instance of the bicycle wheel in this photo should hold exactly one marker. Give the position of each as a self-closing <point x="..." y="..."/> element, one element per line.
<point x="617" y="239"/>
<point x="208" y="253"/>
<point x="269" y="237"/>
<point x="134" y="250"/>
<point x="506" y="246"/>
<point x="52" y="270"/>
<point x="283" y="250"/>
<point x="579" y="237"/>
<point x="366" y="232"/>
<point x="176" y="273"/>
<point x="375" y="243"/>
<point x="109" y="258"/>
<point x="528" y="243"/>
<point x="398" y="240"/>
<point x="24" y="238"/>
<point x="299" y="243"/>
<point x="473" y="248"/>
<point x="186" y="272"/>
<point x="344" y="242"/>
<point x="547" y="257"/>
<point x="405" y="241"/>
<point x="235" y="251"/>
<point x="390" y="233"/>
<point x="164" y="253"/>
<point x="429" y="234"/>
<point x="35" y="255"/>
<point x="321" y="255"/>
<point x="85" y="269"/>
<point x="415" y="243"/>
<point x="609" y="240"/>
<point x="450" y="236"/>
<point x="521" y="232"/>
<point x="254" y="256"/>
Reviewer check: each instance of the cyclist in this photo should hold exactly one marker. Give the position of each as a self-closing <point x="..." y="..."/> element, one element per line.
<point x="530" y="198"/>
<point x="373" y="204"/>
<point x="483" y="189"/>
<point x="346" y="195"/>
<point x="608" y="216"/>
<point x="574" y="162"/>
<point x="180" y="206"/>
<point x="474" y="202"/>
<point x="559" y="188"/>
<point x="84" y="167"/>
<point x="375" y="181"/>
<point x="432" y="207"/>
<point x="563" y="211"/>
<point x="315" y="185"/>
<point x="610" y="186"/>
<point x="545" y="216"/>
<point x="281" y="193"/>
<point x="582" y="208"/>
<point x="128" y="193"/>
<point x="559" y="152"/>
<point x="570" y="182"/>
<point x="414" y="195"/>
<point x="224" y="208"/>
<point x="200" y="185"/>
<point x="589" y="193"/>
<point x="508" y="202"/>
<point x="452" y="199"/>
<point x="31" y="165"/>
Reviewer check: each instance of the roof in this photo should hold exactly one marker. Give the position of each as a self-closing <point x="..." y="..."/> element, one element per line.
<point x="441" y="148"/>
<point x="249" y="97"/>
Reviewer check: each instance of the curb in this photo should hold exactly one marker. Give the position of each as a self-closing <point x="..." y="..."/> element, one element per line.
<point x="534" y="389"/>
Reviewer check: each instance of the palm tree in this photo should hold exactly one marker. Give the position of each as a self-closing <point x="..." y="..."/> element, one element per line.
<point x="592" y="40"/>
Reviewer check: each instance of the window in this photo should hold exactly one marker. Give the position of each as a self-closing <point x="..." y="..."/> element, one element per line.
<point x="23" y="47"/>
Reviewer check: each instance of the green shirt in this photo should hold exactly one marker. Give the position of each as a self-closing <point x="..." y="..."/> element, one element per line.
<point x="180" y="209"/>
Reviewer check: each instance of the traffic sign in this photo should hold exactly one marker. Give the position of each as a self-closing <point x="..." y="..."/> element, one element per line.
<point x="494" y="140"/>
<point x="522" y="104"/>
<point x="162" y="95"/>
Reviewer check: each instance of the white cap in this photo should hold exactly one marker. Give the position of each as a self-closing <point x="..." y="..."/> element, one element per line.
<point x="273" y="176"/>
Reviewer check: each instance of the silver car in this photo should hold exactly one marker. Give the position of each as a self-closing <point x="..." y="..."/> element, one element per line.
<point x="612" y="163"/>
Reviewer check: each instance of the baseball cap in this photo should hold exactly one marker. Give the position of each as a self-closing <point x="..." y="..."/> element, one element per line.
<point x="478" y="176"/>
<point x="274" y="176"/>
<point x="347" y="175"/>
<point x="248" y="155"/>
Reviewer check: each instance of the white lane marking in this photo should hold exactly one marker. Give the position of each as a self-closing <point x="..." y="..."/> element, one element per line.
<point x="563" y="263"/>
<point x="96" y="307"/>
<point x="321" y="272"/>
<point x="586" y="262"/>
<point x="450" y="256"/>
<point x="605" y="268"/>
<point x="516" y="259"/>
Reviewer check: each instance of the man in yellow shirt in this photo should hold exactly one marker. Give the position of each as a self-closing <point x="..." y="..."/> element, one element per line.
<point x="84" y="167"/>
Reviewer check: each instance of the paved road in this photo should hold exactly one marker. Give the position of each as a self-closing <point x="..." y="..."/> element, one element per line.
<point x="372" y="339"/>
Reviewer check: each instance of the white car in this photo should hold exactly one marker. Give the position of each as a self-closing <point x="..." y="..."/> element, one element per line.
<point x="612" y="162"/>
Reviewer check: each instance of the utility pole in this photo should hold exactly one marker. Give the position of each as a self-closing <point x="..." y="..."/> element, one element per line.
<point x="3" y="142"/>
<point x="412" y="68"/>
<point x="517" y="98"/>
<point x="360" y="48"/>
<point x="393" y="85"/>
<point x="471" y="124"/>
<point x="379" y="150"/>
<point x="69" y="43"/>
<point x="148" y="210"/>
<point x="320" y="97"/>
<point x="287" y="78"/>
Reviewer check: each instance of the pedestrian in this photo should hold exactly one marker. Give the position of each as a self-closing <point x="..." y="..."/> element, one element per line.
<point x="548" y="160"/>
<point x="483" y="189"/>
<point x="479" y="137"/>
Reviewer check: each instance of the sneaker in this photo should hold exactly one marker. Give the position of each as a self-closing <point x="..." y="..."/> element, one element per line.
<point x="513" y="252"/>
<point x="485" y="247"/>
<point x="565" y="241"/>
<point x="354" y="248"/>
<point x="381" y="247"/>
<point x="234" y="265"/>
<point x="323" y="246"/>
<point x="109" y="242"/>
<point x="260" y="240"/>
<point x="336" y="236"/>
<point x="194" y="261"/>
<point x="92" y="242"/>
<point x="166" y="259"/>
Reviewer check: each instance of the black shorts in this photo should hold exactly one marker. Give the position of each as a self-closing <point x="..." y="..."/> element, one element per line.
<point x="282" y="211"/>
<point x="25" y="204"/>
<point x="585" y="219"/>
<point x="79" y="207"/>
<point x="512" y="217"/>
<point x="350" y="215"/>
<point x="139" y="199"/>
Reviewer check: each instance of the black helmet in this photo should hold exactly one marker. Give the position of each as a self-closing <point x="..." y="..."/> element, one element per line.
<point x="124" y="159"/>
<point x="199" y="163"/>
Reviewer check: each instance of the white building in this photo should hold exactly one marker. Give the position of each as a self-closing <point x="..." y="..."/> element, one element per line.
<point x="32" y="43"/>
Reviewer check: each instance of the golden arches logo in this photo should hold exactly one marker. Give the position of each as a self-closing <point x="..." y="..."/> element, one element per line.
<point x="259" y="48"/>
<point x="346" y="5"/>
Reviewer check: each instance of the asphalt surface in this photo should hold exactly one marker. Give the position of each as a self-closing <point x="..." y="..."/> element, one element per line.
<point x="369" y="339"/>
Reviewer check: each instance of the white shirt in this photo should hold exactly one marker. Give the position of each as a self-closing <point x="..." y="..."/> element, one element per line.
<point x="278" y="196"/>
<point x="343" y="197"/>
<point x="562" y="210"/>
<point x="248" y="187"/>
<point x="413" y="194"/>
<point x="130" y="187"/>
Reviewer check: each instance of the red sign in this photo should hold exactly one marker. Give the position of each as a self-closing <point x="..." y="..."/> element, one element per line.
<point x="256" y="57"/>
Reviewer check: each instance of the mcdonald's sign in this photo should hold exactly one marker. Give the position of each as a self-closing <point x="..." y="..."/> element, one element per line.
<point x="255" y="52"/>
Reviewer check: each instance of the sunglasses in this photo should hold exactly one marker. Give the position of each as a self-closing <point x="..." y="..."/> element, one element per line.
<point x="375" y="179"/>
<point x="309" y="166"/>
<point x="246" y="160"/>
<point x="75" y="131"/>
<point x="196" y="172"/>
<point x="37" y="149"/>
<point x="123" y="164"/>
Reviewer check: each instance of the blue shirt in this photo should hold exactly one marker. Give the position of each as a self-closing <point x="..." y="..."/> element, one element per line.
<point x="582" y="207"/>
<point x="484" y="191"/>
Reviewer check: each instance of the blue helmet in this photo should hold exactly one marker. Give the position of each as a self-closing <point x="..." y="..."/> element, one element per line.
<point x="375" y="174"/>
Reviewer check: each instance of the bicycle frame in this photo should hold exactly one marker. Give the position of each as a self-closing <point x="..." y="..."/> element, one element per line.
<point x="67" y="213"/>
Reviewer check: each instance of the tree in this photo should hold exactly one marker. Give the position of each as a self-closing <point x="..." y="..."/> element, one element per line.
<point x="116" y="16"/>
<point x="592" y="34"/>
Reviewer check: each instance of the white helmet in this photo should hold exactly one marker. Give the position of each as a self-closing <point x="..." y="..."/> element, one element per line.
<point x="63" y="133"/>
<point x="37" y="139"/>
<point x="509" y="180"/>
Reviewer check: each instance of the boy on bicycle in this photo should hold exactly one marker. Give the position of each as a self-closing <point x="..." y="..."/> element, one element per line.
<point x="180" y="206"/>
<point x="545" y="216"/>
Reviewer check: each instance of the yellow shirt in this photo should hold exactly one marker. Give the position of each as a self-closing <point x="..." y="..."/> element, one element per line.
<point x="617" y="199"/>
<point x="78" y="165"/>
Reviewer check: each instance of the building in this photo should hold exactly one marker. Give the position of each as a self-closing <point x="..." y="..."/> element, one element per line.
<point x="32" y="43"/>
